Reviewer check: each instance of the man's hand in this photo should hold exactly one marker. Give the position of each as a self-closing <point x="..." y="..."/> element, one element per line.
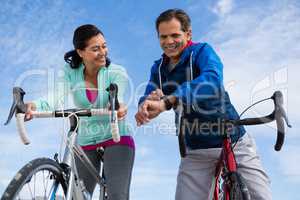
<point x="149" y="110"/>
<point x="155" y="95"/>
<point x="153" y="108"/>
<point x="140" y="116"/>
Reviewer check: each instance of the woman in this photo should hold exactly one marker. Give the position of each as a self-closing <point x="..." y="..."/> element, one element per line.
<point x="87" y="74"/>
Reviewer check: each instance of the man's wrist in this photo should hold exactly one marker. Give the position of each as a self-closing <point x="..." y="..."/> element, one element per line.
<point x="169" y="102"/>
<point x="162" y="107"/>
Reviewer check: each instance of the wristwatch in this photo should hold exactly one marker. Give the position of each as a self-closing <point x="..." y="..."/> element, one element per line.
<point x="168" y="103"/>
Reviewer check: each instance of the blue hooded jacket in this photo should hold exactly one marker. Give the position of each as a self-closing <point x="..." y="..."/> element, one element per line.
<point x="197" y="81"/>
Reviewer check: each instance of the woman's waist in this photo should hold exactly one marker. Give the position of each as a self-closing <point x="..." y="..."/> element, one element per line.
<point x="124" y="140"/>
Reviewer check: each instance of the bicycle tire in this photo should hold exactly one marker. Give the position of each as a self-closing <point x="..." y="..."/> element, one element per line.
<point x="29" y="173"/>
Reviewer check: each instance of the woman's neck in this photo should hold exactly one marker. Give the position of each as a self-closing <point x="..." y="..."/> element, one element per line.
<point x="91" y="71"/>
<point x="90" y="76"/>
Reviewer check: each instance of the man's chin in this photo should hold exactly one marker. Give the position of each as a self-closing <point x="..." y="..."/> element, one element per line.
<point x="170" y="55"/>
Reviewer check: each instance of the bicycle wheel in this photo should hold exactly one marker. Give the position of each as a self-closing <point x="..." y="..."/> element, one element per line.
<point x="41" y="178"/>
<point x="238" y="189"/>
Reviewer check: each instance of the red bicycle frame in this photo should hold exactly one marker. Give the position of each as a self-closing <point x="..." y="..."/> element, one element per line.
<point x="226" y="162"/>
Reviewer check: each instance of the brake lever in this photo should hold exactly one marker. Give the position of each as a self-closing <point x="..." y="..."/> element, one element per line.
<point x="113" y="96"/>
<point x="280" y="117"/>
<point x="18" y="105"/>
<point x="284" y="116"/>
<point x="278" y="97"/>
<point x="114" y="106"/>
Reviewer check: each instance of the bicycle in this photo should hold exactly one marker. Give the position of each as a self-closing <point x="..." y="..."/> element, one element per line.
<point x="228" y="184"/>
<point x="61" y="177"/>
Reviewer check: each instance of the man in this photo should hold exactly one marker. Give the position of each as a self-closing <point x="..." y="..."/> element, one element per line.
<point x="192" y="73"/>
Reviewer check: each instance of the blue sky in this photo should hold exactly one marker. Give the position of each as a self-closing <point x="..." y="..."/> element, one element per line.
<point x="258" y="41"/>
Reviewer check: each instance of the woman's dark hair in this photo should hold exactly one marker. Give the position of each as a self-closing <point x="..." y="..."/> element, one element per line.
<point x="81" y="35"/>
<point x="178" y="14"/>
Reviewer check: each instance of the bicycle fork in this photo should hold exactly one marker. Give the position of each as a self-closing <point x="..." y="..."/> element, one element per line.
<point x="230" y="162"/>
<point x="76" y="189"/>
<point x="226" y="163"/>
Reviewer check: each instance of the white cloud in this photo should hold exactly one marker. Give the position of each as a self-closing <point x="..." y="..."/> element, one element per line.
<point x="223" y="7"/>
<point x="253" y="43"/>
<point x="260" y="48"/>
<point x="289" y="160"/>
<point x="29" y="42"/>
<point x="143" y="151"/>
<point x="150" y="176"/>
<point x="259" y="51"/>
<point x="163" y="179"/>
<point x="6" y="174"/>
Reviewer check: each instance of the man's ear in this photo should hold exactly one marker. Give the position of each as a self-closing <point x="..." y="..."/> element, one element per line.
<point x="189" y="34"/>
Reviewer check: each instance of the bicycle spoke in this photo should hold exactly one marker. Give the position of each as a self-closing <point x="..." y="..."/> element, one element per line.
<point x="29" y="189"/>
<point x="34" y="181"/>
<point x="45" y="189"/>
<point x="39" y="180"/>
<point x="44" y="183"/>
<point x="48" y="178"/>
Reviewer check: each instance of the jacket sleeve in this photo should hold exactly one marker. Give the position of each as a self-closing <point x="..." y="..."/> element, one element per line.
<point x="208" y="84"/>
<point x="118" y="75"/>
<point x="151" y="85"/>
<point x="56" y="97"/>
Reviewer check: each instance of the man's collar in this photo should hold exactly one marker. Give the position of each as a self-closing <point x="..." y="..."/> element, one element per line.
<point x="166" y="59"/>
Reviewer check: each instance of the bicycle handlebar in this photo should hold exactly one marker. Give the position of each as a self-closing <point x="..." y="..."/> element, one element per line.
<point x="279" y="115"/>
<point x="114" y="105"/>
<point x="19" y="109"/>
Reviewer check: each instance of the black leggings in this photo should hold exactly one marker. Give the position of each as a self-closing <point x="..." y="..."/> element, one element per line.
<point x="118" y="163"/>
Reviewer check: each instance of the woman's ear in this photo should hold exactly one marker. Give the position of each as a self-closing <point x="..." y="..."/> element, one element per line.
<point x="80" y="52"/>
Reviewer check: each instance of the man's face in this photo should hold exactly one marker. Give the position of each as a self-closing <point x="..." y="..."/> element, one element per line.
<point x="173" y="39"/>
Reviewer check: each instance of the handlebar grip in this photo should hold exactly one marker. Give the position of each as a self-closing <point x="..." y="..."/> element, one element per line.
<point x="21" y="128"/>
<point x="115" y="132"/>
<point x="280" y="115"/>
<point x="280" y="134"/>
<point x="181" y="139"/>
<point x="115" y="129"/>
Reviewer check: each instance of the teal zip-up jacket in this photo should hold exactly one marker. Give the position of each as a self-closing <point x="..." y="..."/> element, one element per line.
<point x="95" y="129"/>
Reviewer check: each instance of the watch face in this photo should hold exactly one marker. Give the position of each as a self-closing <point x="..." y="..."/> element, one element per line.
<point x="168" y="103"/>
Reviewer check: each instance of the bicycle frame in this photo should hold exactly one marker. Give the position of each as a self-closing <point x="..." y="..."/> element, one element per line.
<point x="226" y="165"/>
<point x="76" y="189"/>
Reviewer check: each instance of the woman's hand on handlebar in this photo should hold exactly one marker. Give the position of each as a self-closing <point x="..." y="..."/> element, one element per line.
<point x="30" y="107"/>
<point x="122" y="112"/>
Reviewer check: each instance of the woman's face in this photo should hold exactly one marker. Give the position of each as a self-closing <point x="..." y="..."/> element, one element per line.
<point x="95" y="52"/>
